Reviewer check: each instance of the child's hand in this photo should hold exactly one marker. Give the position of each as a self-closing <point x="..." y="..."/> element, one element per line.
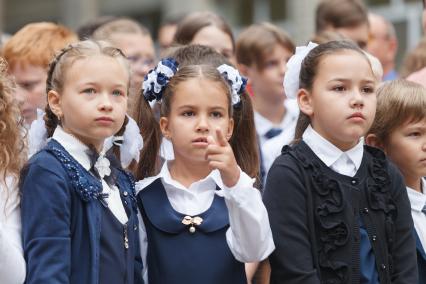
<point x="220" y="156"/>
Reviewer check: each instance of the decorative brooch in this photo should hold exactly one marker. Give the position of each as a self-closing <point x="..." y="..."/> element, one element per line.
<point x="102" y="165"/>
<point x="191" y="221"/>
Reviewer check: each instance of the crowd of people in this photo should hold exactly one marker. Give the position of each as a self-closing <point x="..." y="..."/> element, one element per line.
<point x="213" y="158"/>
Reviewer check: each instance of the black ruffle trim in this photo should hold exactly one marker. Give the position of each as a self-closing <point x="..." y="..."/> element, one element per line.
<point x="333" y="233"/>
<point x="379" y="197"/>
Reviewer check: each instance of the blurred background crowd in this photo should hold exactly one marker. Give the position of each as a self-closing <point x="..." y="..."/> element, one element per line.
<point x="296" y="17"/>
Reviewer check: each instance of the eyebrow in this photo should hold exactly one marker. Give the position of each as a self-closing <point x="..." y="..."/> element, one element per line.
<point x="346" y="80"/>
<point x="415" y="126"/>
<point x="192" y="106"/>
<point x="97" y="84"/>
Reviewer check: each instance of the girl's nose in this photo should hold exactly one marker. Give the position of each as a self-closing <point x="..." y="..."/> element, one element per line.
<point x="202" y="124"/>
<point x="357" y="100"/>
<point x="105" y="104"/>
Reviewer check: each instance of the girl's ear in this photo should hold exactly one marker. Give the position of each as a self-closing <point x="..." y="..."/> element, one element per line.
<point x="164" y="126"/>
<point x="228" y="134"/>
<point x="54" y="101"/>
<point x="373" y="140"/>
<point x="304" y="100"/>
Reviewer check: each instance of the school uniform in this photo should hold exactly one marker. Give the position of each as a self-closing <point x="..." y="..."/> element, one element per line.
<point x="272" y="137"/>
<point x="418" y="212"/>
<point x="77" y="228"/>
<point x="338" y="217"/>
<point x="201" y="234"/>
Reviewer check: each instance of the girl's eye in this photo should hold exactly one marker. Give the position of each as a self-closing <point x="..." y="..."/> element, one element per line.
<point x="89" y="91"/>
<point x="117" y="93"/>
<point x="339" y="88"/>
<point x="188" y="113"/>
<point x="216" y="114"/>
<point x="272" y="63"/>
<point x="414" y="134"/>
<point x="367" y="90"/>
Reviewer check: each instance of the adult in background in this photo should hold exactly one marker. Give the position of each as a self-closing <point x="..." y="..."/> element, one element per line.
<point x="347" y="17"/>
<point x="383" y="44"/>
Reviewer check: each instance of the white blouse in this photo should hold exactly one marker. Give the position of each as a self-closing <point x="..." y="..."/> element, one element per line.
<point x="249" y="236"/>
<point x="271" y="148"/>
<point x="78" y="151"/>
<point x="12" y="263"/>
<point x="418" y="201"/>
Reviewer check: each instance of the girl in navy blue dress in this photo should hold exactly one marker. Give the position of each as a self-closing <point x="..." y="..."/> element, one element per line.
<point x="339" y="210"/>
<point x="78" y="211"/>
<point x="202" y="217"/>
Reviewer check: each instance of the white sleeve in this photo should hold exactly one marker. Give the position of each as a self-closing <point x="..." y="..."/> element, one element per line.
<point x="12" y="263"/>
<point x="249" y="236"/>
<point x="143" y="239"/>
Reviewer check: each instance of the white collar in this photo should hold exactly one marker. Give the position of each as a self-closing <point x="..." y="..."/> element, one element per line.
<point x="417" y="199"/>
<point x="327" y="152"/>
<point x="209" y="182"/>
<point x="263" y="124"/>
<point x="73" y="146"/>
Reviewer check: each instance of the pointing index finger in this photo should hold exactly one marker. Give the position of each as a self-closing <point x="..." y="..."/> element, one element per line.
<point x="221" y="138"/>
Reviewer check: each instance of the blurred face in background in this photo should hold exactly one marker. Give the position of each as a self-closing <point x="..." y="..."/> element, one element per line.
<point x="139" y="49"/>
<point x="267" y="80"/>
<point x="359" y="34"/>
<point x="217" y="39"/>
<point x="166" y="35"/>
<point x="30" y="89"/>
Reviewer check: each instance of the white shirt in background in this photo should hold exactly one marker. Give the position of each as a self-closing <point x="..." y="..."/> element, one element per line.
<point x="271" y="148"/>
<point x="418" y="201"/>
<point x="12" y="263"/>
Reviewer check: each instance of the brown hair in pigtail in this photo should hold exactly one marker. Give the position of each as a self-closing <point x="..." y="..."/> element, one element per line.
<point x="149" y="160"/>
<point x="243" y="140"/>
<point x="197" y="61"/>
<point x="116" y="146"/>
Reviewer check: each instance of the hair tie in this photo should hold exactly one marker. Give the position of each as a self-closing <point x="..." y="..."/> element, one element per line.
<point x="156" y="80"/>
<point x="235" y="80"/>
<point x="292" y="75"/>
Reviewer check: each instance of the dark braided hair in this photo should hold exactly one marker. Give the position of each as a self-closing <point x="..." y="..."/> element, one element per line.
<point x="50" y="119"/>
